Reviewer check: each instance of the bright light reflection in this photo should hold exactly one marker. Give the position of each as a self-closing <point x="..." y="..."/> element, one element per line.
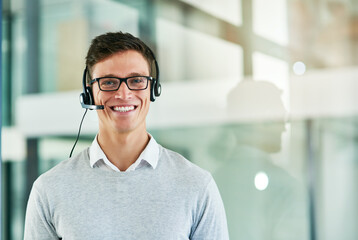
<point x="299" y="68"/>
<point x="261" y="181"/>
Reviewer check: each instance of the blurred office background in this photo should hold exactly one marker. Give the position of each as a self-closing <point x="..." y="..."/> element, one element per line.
<point x="260" y="93"/>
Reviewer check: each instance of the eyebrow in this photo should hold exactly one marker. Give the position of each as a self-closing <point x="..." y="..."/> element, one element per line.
<point x="132" y="74"/>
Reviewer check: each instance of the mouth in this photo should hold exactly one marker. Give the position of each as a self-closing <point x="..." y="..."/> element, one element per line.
<point x="123" y="108"/>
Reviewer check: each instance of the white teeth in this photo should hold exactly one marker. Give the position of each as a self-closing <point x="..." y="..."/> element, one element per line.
<point x="123" y="109"/>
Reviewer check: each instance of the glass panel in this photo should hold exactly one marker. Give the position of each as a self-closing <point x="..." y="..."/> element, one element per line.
<point x="263" y="198"/>
<point x="13" y="199"/>
<point x="195" y="56"/>
<point x="18" y="80"/>
<point x="270" y="20"/>
<point x="69" y="25"/>
<point x="337" y="171"/>
<point x="54" y="150"/>
<point x="273" y="70"/>
<point x="228" y="10"/>
<point x="5" y="74"/>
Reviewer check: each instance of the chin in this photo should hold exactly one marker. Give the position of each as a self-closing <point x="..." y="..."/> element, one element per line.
<point x="126" y="128"/>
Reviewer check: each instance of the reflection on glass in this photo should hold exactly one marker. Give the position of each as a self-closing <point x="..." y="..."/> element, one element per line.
<point x="261" y="181"/>
<point x="273" y="70"/>
<point x="262" y="200"/>
<point x="299" y="68"/>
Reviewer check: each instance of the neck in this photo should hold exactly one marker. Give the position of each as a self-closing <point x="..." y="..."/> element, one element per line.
<point x="123" y="149"/>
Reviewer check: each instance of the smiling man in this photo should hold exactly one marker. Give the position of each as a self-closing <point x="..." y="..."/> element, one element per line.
<point x="125" y="185"/>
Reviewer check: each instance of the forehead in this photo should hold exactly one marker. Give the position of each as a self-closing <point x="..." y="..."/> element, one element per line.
<point x="121" y="63"/>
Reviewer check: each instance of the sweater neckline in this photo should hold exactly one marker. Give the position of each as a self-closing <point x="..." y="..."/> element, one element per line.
<point x="102" y="172"/>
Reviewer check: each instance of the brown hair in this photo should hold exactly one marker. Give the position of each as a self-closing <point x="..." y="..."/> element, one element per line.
<point x="110" y="43"/>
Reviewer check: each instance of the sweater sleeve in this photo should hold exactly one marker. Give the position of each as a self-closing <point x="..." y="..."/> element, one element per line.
<point x="211" y="220"/>
<point x="38" y="223"/>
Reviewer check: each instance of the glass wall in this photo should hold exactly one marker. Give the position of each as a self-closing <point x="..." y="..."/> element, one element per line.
<point x="259" y="93"/>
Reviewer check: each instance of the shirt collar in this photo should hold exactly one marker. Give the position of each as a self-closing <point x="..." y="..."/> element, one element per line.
<point x="150" y="155"/>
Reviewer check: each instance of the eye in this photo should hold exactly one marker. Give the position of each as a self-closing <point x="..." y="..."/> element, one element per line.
<point x="107" y="82"/>
<point x="137" y="80"/>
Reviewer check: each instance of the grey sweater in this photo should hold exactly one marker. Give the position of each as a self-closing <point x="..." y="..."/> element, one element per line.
<point x="176" y="200"/>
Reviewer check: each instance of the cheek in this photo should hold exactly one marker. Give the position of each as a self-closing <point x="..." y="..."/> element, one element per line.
<point x="145" y="101"/>
<point x="95" y="93"/>
<point x="98" y="96"/>
<point x="145" y="95"/>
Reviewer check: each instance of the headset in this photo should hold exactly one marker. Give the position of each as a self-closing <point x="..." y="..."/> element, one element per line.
<point x="87" y="100"/>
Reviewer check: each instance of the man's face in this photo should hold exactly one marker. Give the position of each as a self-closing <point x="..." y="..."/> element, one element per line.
<point x="124" y="110"/>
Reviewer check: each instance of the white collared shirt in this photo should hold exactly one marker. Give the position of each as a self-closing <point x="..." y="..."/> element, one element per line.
<point x="149" y="157"/>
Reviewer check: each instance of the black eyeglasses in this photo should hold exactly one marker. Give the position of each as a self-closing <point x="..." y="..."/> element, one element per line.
<point x="113" y="83"/>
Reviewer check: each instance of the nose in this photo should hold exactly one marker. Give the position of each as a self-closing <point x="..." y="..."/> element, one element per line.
<point x="123" y="92"/>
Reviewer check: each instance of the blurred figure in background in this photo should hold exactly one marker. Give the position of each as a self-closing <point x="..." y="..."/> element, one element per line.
<point x="262" y="200"/>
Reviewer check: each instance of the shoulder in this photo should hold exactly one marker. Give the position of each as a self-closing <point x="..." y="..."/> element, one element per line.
<point x="65" y="170"/>
<point x="182" y="169"/>
<point x="198" y="187"/>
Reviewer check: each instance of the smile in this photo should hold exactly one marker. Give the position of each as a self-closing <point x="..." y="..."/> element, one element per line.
<point x="123" y="109"/>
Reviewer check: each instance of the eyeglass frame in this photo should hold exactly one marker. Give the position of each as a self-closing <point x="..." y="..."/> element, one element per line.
<point x="120" y="82"/>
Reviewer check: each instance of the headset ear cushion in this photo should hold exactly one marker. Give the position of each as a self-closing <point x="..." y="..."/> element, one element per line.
<point x="152" y="92"/>
<point x="88" y="99"/>
<point x="157" y="89"/>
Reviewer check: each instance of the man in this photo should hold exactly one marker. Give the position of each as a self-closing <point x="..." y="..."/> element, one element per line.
<point x="125" y="186"/>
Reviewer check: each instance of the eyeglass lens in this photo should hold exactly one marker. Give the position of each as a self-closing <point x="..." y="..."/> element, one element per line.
<point x="133" y="83"/>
